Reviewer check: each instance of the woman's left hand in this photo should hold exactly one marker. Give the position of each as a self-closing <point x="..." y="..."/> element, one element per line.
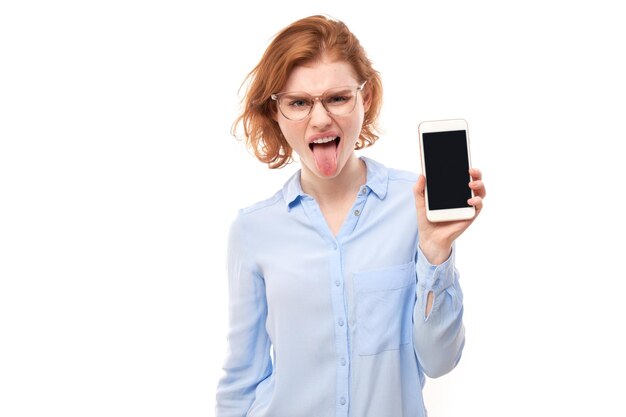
<point x="436" y="238"/>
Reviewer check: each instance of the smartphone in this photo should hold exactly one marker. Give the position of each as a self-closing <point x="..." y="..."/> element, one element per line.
<point x="445" y="151"/>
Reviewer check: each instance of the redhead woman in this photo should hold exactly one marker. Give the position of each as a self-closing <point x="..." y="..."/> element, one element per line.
<point x="343" y="297"/>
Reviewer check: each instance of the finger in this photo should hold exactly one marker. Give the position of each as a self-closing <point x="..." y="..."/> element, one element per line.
<point x="479" y="188"/>
<point x="476" y="173"/>
<point x="475" y="185"/>
<point x="477" y="202"/>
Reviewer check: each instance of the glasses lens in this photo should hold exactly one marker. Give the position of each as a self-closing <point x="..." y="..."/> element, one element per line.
<point x="340" y="101"/>
<point x="295" y="106"/>
<point x="337" y="101"/>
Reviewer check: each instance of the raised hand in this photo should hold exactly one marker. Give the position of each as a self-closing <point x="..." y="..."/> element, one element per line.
<point x="436" y="238"/>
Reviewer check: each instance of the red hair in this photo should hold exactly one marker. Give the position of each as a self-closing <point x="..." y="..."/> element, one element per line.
<point x="301" y="43"/>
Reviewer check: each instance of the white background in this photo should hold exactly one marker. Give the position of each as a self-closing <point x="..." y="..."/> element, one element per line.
<point x="119" y="179"/>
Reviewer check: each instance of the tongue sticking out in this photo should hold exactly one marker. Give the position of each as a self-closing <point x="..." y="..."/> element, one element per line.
<point x="325" y="155"/>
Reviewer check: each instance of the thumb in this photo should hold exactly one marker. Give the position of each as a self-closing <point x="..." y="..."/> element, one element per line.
<point x="418" y="188"/>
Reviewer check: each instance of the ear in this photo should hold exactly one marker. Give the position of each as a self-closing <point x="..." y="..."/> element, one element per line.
<point x="274" y="112"/>
<point x="367" y="100"/>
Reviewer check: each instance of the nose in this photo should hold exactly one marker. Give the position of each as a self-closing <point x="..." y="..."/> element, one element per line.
<point x="319" y="115"/>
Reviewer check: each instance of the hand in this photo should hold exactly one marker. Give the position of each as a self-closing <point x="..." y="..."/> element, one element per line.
<point x="436" y="238"/>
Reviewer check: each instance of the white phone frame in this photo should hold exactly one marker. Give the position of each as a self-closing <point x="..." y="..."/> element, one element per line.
<point x="430" y="126"/>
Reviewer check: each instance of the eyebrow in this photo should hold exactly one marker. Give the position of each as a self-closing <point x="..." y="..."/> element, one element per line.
<point x="340" y="89"/>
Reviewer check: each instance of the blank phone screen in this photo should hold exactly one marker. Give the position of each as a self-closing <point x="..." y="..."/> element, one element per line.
<point x="447" y="165"/>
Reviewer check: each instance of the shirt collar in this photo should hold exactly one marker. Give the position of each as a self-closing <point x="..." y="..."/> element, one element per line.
<point x="377" y="181"/>
<point x="377" y="177"/>
<point x="292" y="190"/>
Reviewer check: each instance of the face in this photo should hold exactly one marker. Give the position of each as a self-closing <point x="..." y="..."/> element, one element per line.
<point x="323" y="141"/>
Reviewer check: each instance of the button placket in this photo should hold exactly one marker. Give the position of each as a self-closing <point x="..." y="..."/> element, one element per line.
<point x="341" y="330"/>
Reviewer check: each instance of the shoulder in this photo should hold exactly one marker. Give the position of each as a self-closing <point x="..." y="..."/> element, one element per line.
<point x="400" y="185"/>
<point x="379" y="172"/>
<point x="264" y="216"/>
<point x="263" y="205"/>
<point x="253" y="219"/>
<point x="400" y="175"/>
<point x="277" y="202"/>
<point x="250" y="218"/>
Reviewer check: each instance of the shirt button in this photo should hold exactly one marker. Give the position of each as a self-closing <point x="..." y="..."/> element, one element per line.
<point x="343" y="362"/>
<point x="342" y="401"/>
<point x="335" y="246"/>
<point x="337" y="283"/>
<point x="340" y="321"/>
<point x="357" y="212"/>
<point x="364" y="191"/>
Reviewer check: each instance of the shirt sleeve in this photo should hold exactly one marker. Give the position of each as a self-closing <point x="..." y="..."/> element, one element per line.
<point x="438" y="338"/>
<point x="248" y="360"/>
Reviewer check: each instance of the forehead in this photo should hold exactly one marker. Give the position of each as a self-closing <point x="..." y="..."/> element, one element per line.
<point x="317" y="77"/>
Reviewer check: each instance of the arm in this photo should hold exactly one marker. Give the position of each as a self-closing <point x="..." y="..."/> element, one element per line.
<point x="438" y="332"/>
<point x="248" y="361"/>
<point x="439" y="335"/>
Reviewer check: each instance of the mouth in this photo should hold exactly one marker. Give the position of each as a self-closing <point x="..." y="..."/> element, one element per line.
<point x="325" y="142"/>
<point x="325" y="152"/>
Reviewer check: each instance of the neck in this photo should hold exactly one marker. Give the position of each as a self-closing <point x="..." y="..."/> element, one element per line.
<point x="344" y="185"/>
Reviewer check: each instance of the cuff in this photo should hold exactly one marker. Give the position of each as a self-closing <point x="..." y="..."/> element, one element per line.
<point x="435" y="278"/>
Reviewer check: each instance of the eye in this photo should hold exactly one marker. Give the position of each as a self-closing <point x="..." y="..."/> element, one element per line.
<point x="299" y="102"/>
<point x="338" y="99"/>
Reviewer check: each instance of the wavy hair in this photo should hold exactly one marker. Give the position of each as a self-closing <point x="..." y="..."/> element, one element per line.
<point x="300" y="43"/>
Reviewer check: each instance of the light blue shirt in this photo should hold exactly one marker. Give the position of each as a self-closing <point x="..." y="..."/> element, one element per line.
<point x="329" y="326"/>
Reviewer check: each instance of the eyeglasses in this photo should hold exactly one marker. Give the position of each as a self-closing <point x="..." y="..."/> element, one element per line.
<point x="298" y="105"/>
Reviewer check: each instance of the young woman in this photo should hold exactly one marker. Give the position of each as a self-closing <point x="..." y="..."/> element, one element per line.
<point x="342" y="294"/>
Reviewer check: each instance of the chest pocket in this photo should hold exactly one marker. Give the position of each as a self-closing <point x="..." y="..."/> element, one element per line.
<point x="385" y="299"/>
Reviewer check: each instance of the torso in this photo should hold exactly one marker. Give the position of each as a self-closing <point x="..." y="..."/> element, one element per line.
<point x="336" y="213"/>
<point x="338" y="197"/>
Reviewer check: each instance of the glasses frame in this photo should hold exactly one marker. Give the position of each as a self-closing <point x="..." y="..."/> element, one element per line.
<point x="276" y="97"/>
